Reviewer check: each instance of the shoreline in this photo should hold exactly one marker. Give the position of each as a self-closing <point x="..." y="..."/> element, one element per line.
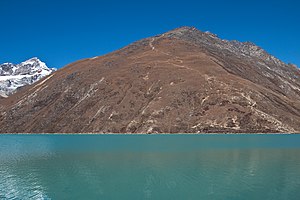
<point x="153" y="134"/>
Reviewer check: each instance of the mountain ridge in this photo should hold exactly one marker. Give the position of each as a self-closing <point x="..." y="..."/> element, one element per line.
<point x="182" y="81"/>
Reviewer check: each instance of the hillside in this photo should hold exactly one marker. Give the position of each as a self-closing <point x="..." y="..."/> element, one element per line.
<point x="183" y="81"/>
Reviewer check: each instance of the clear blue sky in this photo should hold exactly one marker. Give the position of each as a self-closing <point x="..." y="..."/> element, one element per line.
<point x="62" y="31"/>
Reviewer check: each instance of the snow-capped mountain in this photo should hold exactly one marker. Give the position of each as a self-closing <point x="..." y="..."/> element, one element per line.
<point x="14" y="76"/>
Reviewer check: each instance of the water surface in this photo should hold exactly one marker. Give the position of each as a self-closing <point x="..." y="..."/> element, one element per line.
<point x="150" y="167"/>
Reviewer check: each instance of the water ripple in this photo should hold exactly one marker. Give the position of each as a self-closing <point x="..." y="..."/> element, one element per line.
<point x="129" y="168"/>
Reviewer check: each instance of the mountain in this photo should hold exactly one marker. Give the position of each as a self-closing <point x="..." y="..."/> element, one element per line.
<point x="13" y="77"/>
<point x="182" y="81"/>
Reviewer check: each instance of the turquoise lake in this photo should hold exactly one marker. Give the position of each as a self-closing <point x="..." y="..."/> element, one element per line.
<point x="233" y="167"/>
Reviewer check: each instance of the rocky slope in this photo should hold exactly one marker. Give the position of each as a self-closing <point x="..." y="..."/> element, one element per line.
<point x="13" y="77"/>
<point x="183" y="81"/>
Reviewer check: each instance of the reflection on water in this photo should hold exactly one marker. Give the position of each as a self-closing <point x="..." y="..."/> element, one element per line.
<point x="149" y="167"/>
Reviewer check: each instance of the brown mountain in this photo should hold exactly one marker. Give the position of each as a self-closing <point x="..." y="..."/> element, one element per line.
<point x="183" y="81"/>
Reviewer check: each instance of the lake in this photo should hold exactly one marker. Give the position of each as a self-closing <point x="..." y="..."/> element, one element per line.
<point x="150" y="167"/>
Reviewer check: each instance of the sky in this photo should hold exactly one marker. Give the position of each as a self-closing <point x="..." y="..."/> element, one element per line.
<point x="63" y="31"/>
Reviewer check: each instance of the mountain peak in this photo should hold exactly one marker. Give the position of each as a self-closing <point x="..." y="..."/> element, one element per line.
<point x="14" y="76"/>
<point x="183" y="30"/>
<point x="186" y="28"/>
<point x="33" y="59"/>
<point x="247" y="50"/>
